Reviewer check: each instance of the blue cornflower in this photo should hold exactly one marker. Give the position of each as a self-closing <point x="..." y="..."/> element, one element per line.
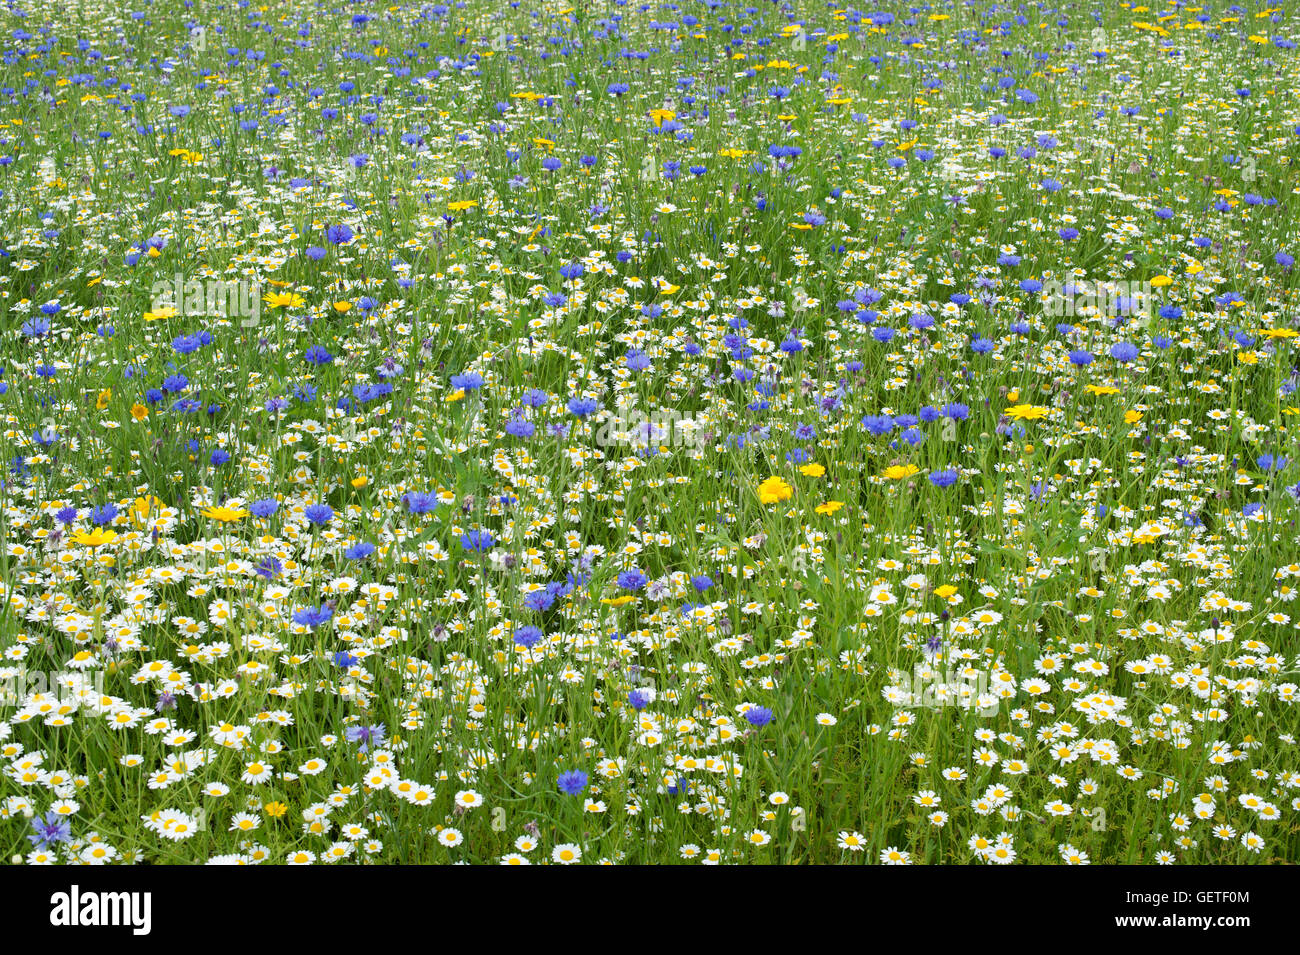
<point x="36" y="327"/>
<point x="53" y="828"/>
<point x="102" y="516"/>
<point x="318" y="513"/>
<point x="312" y="616"/>
<point x="421" y="502"/>
<point x="528" y="636"/>
<point x="539" y="600"/>
<point x="582" y="407"/>
<point x="269" y="568"/>
<point x="1123" y="351"/>
<point x="264" y="508"/>
<point x="477" y="540"/>
<point x="367" y="736"/>
<point x="944" y="478"/>
<point x="573" y="782"/>
<point x="632" y="580"/>
<point x="339" y="234"/>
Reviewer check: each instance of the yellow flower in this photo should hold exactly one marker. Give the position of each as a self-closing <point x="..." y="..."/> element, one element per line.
<point x="946" y="591"/>
<point x="1132" y="416"/>
<point x="900" y="471"/>
<point x="1160" y="281"/>
<point x="456" y="395"/>
<point x="225" y="515"/>
<point x="144" y="506"/>
<point x="618" y="601"/>
<point x="830" y="507"/>
<point x="341" y="307"/>
<point x="166" y="311"/>
<point x="774" y="490"/>
<point x="139" y="412"/>
<point x="275" y="809"/>
<point x="360" y="481"/>
<point x="657" y="116"/>
<point x="1247" y="357"/>
<point x="1278" y="332"/>
<point x="102" y="401"/>
<point x="460" y="205"/>
<point x="1101" y="390"/>
<point x="283" y="300"/>
<point x="812" y="470"/>
<point x="1027" y="412"/>
<point x="95" y="538"/>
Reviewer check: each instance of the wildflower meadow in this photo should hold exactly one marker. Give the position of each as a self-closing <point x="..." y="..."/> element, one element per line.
<point x="713" y="432"/>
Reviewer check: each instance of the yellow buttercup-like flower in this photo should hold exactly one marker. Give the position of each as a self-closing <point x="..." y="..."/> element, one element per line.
<point x="900" y="471"/>
<point x="830" y="507"/>
<point x="774" y="490"/>
<point x="226" y="515"/>
<point x="96" y="538"/>
<point x="1027" y="412"/>
<point x="812" y="470"/>
<point x="283" y="300"/>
